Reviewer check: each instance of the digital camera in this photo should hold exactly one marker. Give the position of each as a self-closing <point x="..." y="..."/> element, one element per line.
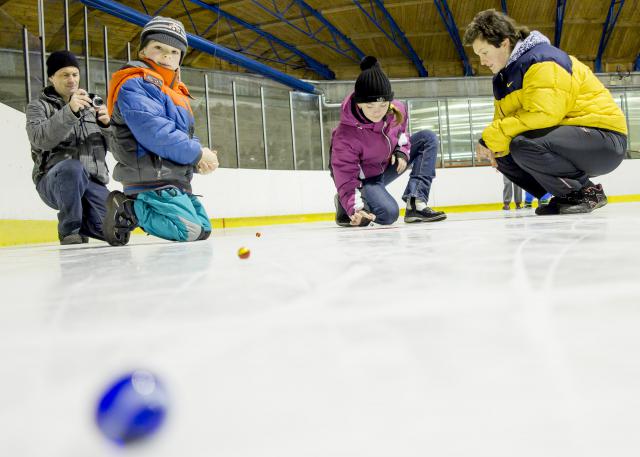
<point x="96" y="100"/>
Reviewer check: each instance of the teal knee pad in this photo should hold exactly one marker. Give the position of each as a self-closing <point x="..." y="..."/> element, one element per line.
<point x="203" y="217"/>
<point x="168" y="214"/>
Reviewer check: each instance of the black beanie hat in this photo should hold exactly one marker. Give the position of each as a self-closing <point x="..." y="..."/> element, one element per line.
<point x="165" y="30"/>
<point x="60" y="59"/>
<point x="372" y="85"/>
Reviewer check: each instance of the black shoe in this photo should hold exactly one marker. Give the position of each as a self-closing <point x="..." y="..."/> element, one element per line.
<point x="73" y="238"/>
<point x="584" y="200"/>
<point x="596" y="194"/>
<point x="342" y="218"/>
<point x="203" y="235"/>
<point x="580" y="201"/>
<point x="549" y="209"/>
<point x="120" y="219"/>
<point x="424" y="215"/>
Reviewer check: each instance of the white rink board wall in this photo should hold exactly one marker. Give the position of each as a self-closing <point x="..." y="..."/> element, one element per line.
<point x="245" y="193"/>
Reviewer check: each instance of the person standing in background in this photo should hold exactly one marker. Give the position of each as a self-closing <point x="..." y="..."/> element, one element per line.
<point x="510" y="191"/>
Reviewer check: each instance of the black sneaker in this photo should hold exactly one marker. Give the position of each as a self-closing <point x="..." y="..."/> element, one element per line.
<point x="203" y="235"/>
<point x="120" y="219"/>
<point x="549" y="209"/>
<point x="424" y="215"/>
<point x="585" y="200"/>
<point x="571" y="203"/>
<point x="596" y="194"/>
<point x="580" y="201"/>
<point x="342" y="218"/>
<point x="72" y="238"/>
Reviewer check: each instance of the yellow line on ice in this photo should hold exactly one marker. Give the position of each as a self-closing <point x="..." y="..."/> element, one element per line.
<point x="14" y="232"/>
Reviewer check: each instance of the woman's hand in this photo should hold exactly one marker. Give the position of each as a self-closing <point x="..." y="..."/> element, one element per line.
<point x="483" y="152"/>
<point x="402" y="163"/>
<point x="360" y="217"/>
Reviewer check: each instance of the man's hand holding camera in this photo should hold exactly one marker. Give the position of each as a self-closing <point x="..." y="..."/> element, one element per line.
<point x="81" y="100"/>
<point x="102" y="114"/>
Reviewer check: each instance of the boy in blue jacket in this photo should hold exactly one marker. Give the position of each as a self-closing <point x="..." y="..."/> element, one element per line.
<point x="156" y="150"/>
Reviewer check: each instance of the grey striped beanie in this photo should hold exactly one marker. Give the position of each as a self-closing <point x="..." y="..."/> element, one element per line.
<point x="165" y="30"/>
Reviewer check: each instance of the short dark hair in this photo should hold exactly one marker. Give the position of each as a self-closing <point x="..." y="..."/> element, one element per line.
<point x="494" y="26"/>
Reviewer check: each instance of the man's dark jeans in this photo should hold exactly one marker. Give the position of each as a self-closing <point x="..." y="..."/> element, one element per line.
<point x="80" y="200"/>
<point x="561" y="159"/>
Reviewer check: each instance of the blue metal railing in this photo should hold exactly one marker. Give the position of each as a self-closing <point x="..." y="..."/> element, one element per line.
<point x="395" y="34"/>
<point x="607" y="31"/>
<point x="135" y="17"/>
<point x="338" y="43"/>
<point x="452" y="28"/>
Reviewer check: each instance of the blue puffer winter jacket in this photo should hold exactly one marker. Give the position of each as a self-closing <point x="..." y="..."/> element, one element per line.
<point x="153" y="126"/>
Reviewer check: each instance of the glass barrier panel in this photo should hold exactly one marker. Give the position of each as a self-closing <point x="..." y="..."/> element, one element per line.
<point x="330" y="120"/>
<point x="250" y="125"/>
<point x="221" y="119"/>
<point x="481" y="116"/>
<point x="459" y="131"/>
<point x="633" y="121"/>
<point x="13" y="91"/>
<point x="307" y="131"/>
<point x="424" y="115"/>
<point x="278" y="125"/>
<point x="194" y="80"/>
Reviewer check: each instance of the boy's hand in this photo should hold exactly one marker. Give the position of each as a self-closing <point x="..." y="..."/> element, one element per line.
<point x="208" y="162"/>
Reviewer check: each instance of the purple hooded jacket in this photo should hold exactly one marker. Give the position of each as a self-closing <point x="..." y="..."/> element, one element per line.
<point x="362" y="150"/>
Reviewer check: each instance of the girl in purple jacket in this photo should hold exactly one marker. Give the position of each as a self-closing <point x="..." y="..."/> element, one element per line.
<point x="370" y="148"/>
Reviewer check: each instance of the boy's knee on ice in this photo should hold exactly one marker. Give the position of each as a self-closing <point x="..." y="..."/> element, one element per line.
<point x="203" y="217"/>
<point x="172" y="215"/>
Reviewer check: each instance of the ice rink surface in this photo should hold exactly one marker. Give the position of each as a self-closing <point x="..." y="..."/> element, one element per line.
<point x="489" y="334"/>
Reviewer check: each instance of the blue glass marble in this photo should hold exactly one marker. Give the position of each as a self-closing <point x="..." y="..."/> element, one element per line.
<point x="132" y="408"/>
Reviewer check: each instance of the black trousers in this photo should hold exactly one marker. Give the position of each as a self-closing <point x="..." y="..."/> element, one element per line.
<point x="561" y="159"/>
<point x="80" y="201"/>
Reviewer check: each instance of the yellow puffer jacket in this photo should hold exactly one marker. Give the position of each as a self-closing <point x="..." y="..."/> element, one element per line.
<point x="543" y="88"/>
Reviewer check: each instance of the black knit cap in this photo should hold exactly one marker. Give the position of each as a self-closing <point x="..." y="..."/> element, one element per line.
<point x="60" y="59"/>
<point x="372" y="85"/>
<point x="165" y="30"/>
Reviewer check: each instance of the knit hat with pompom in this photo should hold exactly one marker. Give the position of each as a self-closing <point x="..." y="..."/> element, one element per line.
<point x="372" y="85"/>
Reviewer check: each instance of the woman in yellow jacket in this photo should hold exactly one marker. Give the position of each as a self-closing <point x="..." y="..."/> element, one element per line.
<point x="555" y="125"/>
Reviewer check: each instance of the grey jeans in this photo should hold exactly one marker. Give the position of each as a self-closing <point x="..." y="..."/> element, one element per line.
<point x="510" y="191"/>
<point x="561" y="159"/>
